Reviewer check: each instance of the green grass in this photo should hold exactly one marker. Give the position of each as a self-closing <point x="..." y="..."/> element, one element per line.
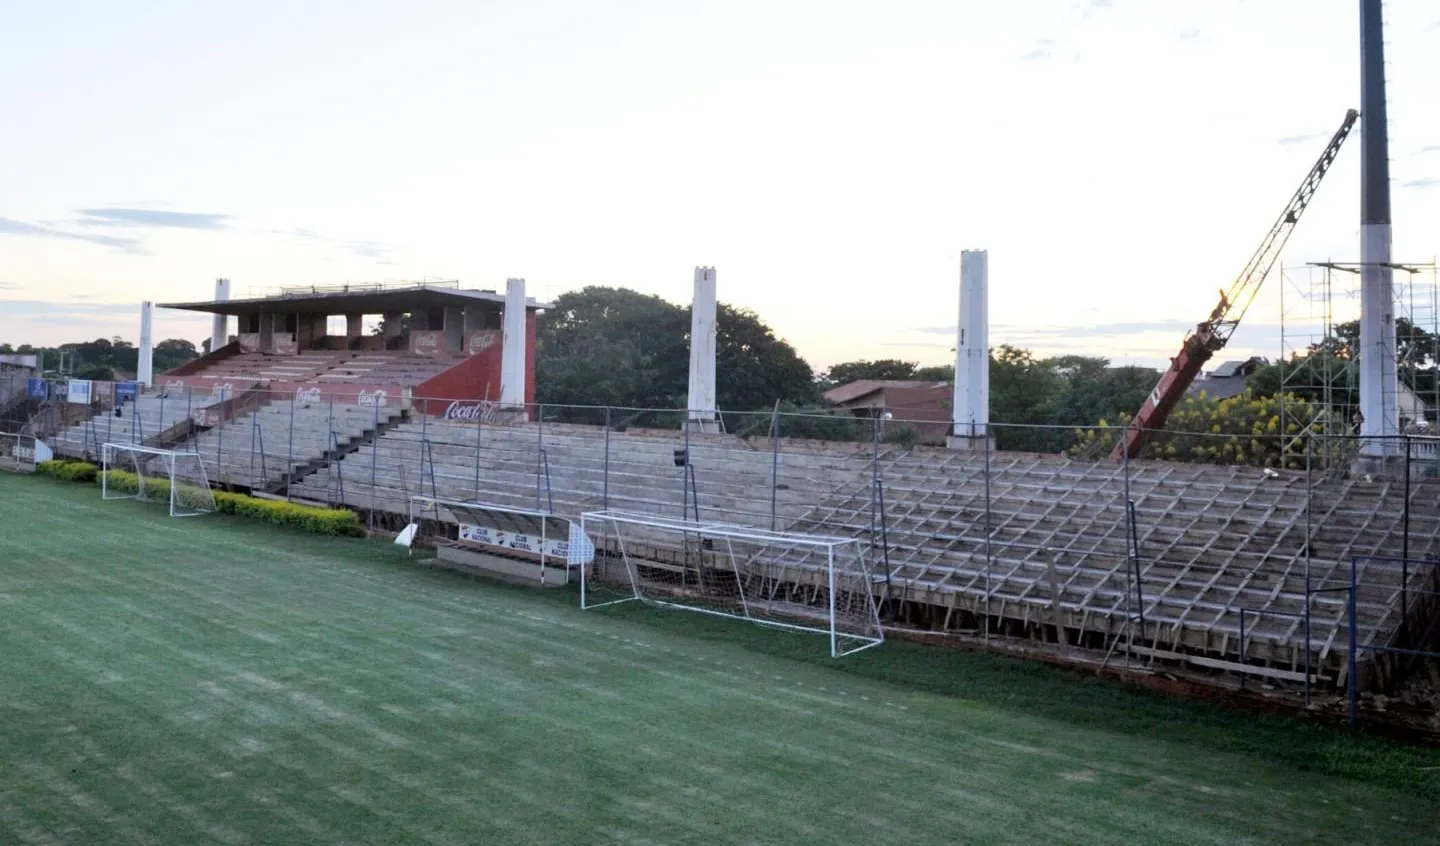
<point x="209" y="680"/>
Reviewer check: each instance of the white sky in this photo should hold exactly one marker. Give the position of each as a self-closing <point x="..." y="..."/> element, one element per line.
<point x="1120" y="160"/>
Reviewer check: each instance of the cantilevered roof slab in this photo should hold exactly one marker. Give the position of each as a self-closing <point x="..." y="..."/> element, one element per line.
<point x="351" y="299"/>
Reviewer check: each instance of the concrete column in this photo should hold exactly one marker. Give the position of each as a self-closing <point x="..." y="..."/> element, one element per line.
<point x="390" y="325"/>
<point x="145" y="371"/>
<point x="220" y="327"/>
<point x="454" y="330"/>
<point x="420" y="320"/>
<point x="354" y="325"/>
<point x="1379" y="382"/>
<point x="512" y="349"/>
<point x="970" y="406"/>
<point x="702" y="351"/>
<point x="267" y="331"/>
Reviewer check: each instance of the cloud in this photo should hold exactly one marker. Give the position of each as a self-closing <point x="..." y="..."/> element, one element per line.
<point x="1044" y="49"/>
<point x="375" y="250"/>
<point x="1292" y="140"/>
<point x="1427" y="182"/>
<point x="153" y="218"/>
<point x="35" y="230"/>
<point x="1429" y="148"/>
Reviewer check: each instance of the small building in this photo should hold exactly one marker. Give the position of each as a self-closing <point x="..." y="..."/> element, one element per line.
<point x="1228" y="379"/>
<point x="923" y="405"/>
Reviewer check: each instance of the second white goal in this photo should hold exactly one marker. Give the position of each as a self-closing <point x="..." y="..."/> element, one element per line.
<point x="797" y="581"/>
<point x="151" y="474"/>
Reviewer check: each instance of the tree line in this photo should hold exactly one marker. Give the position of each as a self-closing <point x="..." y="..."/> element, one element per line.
<point x="102" y="358"/>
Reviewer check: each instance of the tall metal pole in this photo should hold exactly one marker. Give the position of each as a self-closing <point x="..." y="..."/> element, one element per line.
<point x="605" y="482"/>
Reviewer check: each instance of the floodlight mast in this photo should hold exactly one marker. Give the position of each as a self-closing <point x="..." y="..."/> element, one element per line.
<point x="1210" y="336"/>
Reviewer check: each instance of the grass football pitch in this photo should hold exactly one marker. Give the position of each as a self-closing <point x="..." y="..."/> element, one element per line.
<point x="186" y="681"/>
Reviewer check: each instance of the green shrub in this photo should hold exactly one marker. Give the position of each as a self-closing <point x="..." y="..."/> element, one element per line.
<point x="68" y="470"/>
<point x="321" y="521"/>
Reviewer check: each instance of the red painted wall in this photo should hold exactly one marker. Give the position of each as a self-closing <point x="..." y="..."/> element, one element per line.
<point x="475" y="379"/>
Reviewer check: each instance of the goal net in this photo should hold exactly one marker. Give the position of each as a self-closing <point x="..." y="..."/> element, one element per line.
<point x="150" y="474"/>
<point x="807" y="582"/>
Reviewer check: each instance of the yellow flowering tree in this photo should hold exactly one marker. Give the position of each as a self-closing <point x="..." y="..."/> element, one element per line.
<point x="1244" y="429"/>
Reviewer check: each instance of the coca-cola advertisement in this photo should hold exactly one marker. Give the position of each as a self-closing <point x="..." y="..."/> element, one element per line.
<point x="249" y="342"/>
<point x="461" y="410"/>
<point x="312" y="393"/>
<point x="284" y="343"/>
<point x="427" y="342"/>
<point x="481" y="340"/>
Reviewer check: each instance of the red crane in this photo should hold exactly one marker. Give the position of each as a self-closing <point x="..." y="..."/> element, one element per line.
<point x="1207" y="338"/>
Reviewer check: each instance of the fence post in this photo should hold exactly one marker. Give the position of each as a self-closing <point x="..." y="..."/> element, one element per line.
<point x="1405" y="551"/>
<point x="479" y="430"/>
<point x="985" y="624"/>
<point x="1242" y="647"/>
<point x="1309" y="476"/>
<point x="774" y="461"/>
<point x="1354" y="682"/>
<point x="375" y="460"/>
<point x="539" y="452"/>
<point x="290" y="451"/>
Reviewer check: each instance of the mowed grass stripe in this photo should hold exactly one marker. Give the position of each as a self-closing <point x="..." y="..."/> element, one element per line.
<point x="247" y="685"/>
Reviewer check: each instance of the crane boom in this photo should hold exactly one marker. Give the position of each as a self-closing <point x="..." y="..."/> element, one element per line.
<point x="1211" y="335"/>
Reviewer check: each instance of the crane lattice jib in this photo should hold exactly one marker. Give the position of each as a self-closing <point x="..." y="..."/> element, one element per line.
<point x="1214" y="332"/>
<point x="1236" y="301"/>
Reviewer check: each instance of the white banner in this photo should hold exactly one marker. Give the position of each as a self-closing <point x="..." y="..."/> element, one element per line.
<point x="576" y="549"/>
<point x="78" y="392"/>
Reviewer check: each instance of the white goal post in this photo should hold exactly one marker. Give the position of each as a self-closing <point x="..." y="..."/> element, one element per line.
<point x="174" y="477"/>
<point x="810" y="583"/>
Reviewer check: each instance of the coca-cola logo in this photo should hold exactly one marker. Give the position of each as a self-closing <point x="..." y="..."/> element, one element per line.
<point x="369" y="399"/>
<point x="483" y="340"/>
<point x="307" y="394"/>
<point x="224" y="391"/>
<point x="468" y="411"/>
<point x="426" y="343"/>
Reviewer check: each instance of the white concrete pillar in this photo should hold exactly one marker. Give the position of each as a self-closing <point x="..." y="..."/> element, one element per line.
<point x="702" y="351"/>
<point x="145" y="371"/>
<point x="220" y="327"/>
<point x="512" y="346"/>
<point x="354" y="325"/>
<point x="970" y="407"/>
<point x="1379" y="379"/>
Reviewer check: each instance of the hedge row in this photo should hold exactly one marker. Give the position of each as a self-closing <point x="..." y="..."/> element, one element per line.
<point x="321" y="521"/>
<point x="68" y="470"/>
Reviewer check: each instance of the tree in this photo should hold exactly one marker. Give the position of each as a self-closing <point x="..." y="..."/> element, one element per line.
<point x="1243" y="429"/>
<point x="753" y="368"/>
<point x="616" y="347"/>
<point x="1025" y="393"/>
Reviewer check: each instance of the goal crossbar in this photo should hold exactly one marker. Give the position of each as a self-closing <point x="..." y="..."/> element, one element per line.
<point x="802" y="582"/>
<point x="717" y="530"/>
